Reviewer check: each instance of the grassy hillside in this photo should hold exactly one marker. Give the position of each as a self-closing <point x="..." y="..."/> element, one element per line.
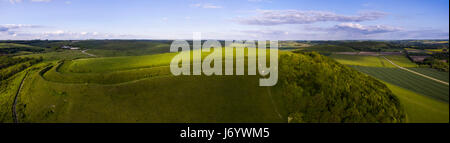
<point x="17" y="49"/>
<point x="59" y="55"/>
<point x="8" y="89"/>
<point x="419" y="108"/>
<point x="14" y="45"/>
<point x="118" y="63"/>
<point x="108" y="48"/>
<point x="127" y="89"/>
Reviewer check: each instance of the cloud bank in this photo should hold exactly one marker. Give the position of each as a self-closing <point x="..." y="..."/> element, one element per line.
<point x="208" y="6"/>
<point x="19" y="1"/>
<point x="361" y="29"/>
<point x="279" y="17"/>
<point x="28" y="32"/>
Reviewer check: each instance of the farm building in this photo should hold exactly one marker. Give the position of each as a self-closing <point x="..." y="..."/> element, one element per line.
<point x="70" y="47"/>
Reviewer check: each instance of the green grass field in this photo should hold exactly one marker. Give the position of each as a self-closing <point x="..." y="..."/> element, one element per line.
<point x="163" y="99"/>
<point x="97" y="65"/>
<point x="58" y="55"/>
<point x="441" y="75"/>
<point x="408" y="81"/>
<point x="424" y="100"/>
<point x="113" y="48"/>
<point x="357" y="60"/>
<point x="8" y="90"/>
<point x="401" y="60"/>
<point x="373" y="61"/>
<point x="419" y="108"/>
<point x="14" y="45"/>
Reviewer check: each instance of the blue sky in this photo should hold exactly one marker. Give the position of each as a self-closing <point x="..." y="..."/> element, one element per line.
<point x="225" y="19"/>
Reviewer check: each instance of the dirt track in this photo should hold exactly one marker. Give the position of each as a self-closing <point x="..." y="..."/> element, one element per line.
<point x="446" y="83"/>
<point x="89" y="54"/>
<point x="15" y="99"/>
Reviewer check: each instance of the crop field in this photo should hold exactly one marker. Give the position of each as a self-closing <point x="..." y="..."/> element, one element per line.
<point x="441" y="75"/>
<point x="373" y="61"/>
<point x="401" y="60"/>
<point x="436" y="50"/>
<point x="357" y="60"/>
<point x="408" y="81"/>
<point x="424" y="100"/>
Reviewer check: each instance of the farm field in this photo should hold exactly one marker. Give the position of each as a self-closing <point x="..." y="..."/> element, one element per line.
<point x="424" y="100"/>
<point x="401" y="60"/>
<point x="113" y="48"/>
<point x="14" y="45"/>
<point x="373" y="61"/>
<point x="408" y="81"/>
<point x="443" y="76"/>
<point x="58" y="55"/>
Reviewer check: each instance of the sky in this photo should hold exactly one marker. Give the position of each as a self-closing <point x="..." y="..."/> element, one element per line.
<point x="224" y="19"/>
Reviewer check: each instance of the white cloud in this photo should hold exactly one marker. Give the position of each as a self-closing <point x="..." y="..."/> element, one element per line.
<point x="19" y="1"/>
<point x="41" y="0"/>
<point x="15" y="1"/>
<point x="278" y="17"/>
<point x="209" y="6"/>
<point x="12" y="27"/>
<point x="63" y="35"/>
<point x="361" y="29"/>
<point x="29" y="32"/>
<point x="259" y="1"/>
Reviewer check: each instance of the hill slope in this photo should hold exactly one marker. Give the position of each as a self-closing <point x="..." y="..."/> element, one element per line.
<point x="311" y="88"/>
